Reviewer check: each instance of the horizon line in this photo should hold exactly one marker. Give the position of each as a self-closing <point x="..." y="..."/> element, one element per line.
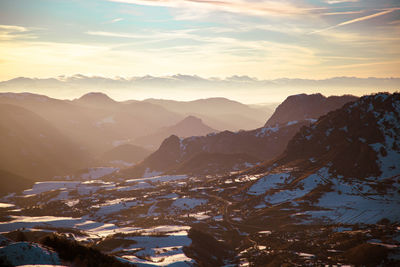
<point x="211" y="78"/>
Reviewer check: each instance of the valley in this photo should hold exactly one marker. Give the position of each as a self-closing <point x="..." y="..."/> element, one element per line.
<point x="330" y="195"/>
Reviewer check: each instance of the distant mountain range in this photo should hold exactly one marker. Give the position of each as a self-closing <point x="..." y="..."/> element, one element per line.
<point x="93" y="82"/>
<point x="243" y="88"/>
<point x="95" y="124"/>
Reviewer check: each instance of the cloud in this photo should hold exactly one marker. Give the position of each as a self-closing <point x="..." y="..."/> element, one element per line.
<point x="116" y="20"/>
<point x="343" y="13"/>
<point x="12" y="28"/>
<point x="10" y="32"/>
<point x="386" y="11"/>
<point x="332" y="2"/>
<point x="274" y="8"/>
<point x="116" y="34"/>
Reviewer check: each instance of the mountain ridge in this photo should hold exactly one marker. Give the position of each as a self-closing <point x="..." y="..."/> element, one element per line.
<point x="259" y="145"/>
<point x="302" y="107"/>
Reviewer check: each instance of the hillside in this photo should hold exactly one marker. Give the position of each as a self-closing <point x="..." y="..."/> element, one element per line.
<point x="11" y="183"/>
<point x="95" y="121"/>
<point x="32" y="147"/>
<point x="345" y="166"/>
<point x="126" y="154"/>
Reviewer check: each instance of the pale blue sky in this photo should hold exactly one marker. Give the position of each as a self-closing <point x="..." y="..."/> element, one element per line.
<point x="263" y="39"/>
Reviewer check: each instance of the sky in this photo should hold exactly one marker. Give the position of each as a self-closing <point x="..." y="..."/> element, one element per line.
<point x="309" y="39"/>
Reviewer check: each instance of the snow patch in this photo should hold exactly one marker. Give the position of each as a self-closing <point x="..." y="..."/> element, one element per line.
<point x="265" y="131"/>
<point x="267" y="182"/>
<point x="6" y="205"/>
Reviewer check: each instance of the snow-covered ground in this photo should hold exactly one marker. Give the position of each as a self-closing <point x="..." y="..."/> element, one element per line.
<point x="267" y="182"/>
<point x="29" y="254"/>
<point x="159" y="250"/>
<point x="41" y="187"/>
<point x="6" y="205"/>
<point x="347" y="203"/>
<point x="159" y="245"/>
<point x="92" y="228"/>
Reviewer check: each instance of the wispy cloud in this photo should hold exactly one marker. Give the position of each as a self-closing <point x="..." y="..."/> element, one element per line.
<point x="116" y="20"/>
<point x="10" y="32"/>
<point x="343" y="13"/>
<point x="275" y="8"/>
<point x="116" y="34"/>
<point x="386" y="11"/>
<point x="332" y="2"/>
<point x="12" y="28"/>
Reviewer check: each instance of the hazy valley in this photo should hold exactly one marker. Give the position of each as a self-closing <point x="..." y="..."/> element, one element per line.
<point x="155" y="182"/>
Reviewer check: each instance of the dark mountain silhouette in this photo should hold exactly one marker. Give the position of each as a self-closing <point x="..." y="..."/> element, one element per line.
<point x="33" y="147"/>
<point x="190" y="126"/>
<point x="302" y="107"/>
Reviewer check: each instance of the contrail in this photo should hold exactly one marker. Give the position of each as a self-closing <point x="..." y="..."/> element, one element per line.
<point x="387" y="11"/>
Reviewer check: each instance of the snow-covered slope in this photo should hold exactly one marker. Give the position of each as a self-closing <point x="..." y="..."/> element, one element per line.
<point x="360" y="140"/>
<point x="344" y="168"/>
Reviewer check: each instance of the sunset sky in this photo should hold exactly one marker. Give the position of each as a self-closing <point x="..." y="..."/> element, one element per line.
<point x="313" y="39"/>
